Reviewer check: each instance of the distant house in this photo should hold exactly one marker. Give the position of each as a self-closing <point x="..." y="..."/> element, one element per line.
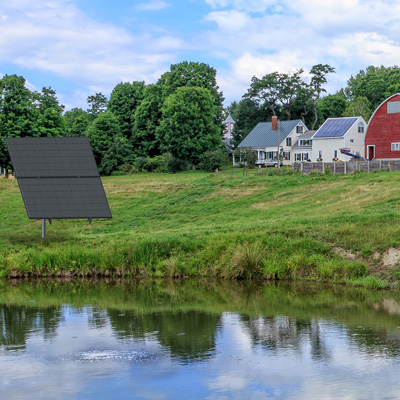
<point x="229" y="125"/>
<point x="382" y="140"/>
<point x="227" y="137"/>
<point x="263" y="140"/>
<point x="302" y="149"/>
<point x="339" y="133"/>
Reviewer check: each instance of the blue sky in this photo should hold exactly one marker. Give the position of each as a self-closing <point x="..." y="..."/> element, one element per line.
<point x="79" y="47"/>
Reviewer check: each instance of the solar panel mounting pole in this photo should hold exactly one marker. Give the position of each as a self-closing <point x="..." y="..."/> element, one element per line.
<point x="43" y="228"/>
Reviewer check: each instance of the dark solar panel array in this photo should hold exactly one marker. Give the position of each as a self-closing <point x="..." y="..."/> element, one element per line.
<point x="58" y="178"/>
<point x="335" y="127"/>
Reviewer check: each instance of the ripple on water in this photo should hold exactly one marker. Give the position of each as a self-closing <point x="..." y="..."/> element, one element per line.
<point x="95" y="356"/>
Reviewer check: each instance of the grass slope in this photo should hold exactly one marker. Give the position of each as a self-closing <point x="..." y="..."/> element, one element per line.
<point x="325" y="227"/>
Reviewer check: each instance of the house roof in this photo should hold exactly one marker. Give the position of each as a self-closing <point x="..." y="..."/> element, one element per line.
<point x="305" y="135"/>
<point x="229" y="119"/>
<point x="263" y="135"/>
<point x="335" y="127"/>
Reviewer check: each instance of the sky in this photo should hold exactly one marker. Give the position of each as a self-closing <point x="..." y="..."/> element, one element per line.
<point x="81" y="47"/>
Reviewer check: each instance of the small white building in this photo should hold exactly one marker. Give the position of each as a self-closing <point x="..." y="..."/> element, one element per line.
<point x="263" y="140"/>
<point x="229" y="125"/>
<point x="346" y="133"/>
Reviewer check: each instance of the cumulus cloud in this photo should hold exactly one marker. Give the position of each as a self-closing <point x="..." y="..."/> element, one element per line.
<point x="299" y="35"/>
<point x="58" y="37"/>
<point x="242" y="38"/>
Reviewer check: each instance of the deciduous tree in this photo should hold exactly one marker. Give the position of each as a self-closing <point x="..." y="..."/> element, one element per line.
<point x="124" y="100"/>
<point x="146" y="121"/>
<point x="188" y="128"/>
<point x="18" y="113"/>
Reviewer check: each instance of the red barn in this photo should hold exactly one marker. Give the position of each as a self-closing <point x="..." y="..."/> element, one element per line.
<point x="382" y="139"/>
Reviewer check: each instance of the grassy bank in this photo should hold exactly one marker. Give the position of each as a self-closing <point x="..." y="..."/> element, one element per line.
<point x="323" y="227"/>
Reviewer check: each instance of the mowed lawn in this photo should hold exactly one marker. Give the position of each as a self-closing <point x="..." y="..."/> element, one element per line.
<point x="322" y="226"/>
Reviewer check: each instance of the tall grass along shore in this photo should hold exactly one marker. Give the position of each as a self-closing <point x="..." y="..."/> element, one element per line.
<point x="336" y="228"/>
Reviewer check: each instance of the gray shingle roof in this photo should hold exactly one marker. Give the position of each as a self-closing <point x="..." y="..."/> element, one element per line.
<point x="263" y="136"/>
<point x="229" y="119"/>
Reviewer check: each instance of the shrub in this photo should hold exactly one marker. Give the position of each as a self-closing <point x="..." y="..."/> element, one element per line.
<point x="213" y="159"/>
<point x="175" y="164"/>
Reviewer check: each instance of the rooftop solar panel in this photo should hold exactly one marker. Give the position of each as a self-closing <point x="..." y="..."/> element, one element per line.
<point x="335" y="127"/>
<point x="58" y="178"/>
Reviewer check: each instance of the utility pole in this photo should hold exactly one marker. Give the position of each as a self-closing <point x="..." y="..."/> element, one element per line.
<point x="279" y="142"/>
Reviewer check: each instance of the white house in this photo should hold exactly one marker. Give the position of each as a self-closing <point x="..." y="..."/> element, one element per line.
<point x="346" y="133"/>
<point x="302" y="149"/>
<point x="264" y="139"/>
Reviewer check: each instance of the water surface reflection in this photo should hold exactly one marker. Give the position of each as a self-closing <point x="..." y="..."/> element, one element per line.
<point x="197" y="339"/>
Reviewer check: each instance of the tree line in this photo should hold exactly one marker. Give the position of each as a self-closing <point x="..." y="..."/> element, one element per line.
<point x="177" y="122"/>
<point x="169" y="125"/>
<point x="295" y="96"/>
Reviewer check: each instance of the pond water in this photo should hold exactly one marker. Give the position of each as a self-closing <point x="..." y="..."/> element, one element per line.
<point x="197" y="339"/>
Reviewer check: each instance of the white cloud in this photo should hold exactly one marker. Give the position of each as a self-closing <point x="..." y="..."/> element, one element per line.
<point x="152" y="6"/>
<point x="59" y="38"/>
<point x="304" y="33"/>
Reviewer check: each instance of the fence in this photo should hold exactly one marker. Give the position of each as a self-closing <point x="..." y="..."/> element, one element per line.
<point x="348" y="167"/>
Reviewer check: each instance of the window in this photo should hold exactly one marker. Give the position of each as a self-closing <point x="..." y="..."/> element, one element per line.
<point x="305" y="156"/>
<point x="393" y="107"/>
<point x="289" y="142"/>
<point x="286" y="155"/>
<point x="360" y="127"/>
<point x="320" y="154"/>
<point x="395" y="146"/>
<point x="304" y="142"/>
<point x="299" y="129"/>
<point x="297" y="157"/>
<point x="335" y="154"/>
<point x="351" y="140"/>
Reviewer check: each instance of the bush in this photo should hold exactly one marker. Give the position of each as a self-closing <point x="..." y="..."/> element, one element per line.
<point x="247" y="156"/>
<point x="175" y="164"/>
<point x="213" y="159"/>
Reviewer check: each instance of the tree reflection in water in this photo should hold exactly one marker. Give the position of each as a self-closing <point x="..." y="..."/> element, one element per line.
<point x="185" y="317"/>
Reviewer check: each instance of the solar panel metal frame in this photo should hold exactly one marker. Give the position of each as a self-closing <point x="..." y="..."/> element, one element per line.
<point x="58" y="178"/>
<point x="335" y="127"/>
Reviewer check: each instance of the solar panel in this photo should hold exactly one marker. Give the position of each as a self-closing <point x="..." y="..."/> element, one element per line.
<point x="335" y="127"/>
<point x="58" y="178"/>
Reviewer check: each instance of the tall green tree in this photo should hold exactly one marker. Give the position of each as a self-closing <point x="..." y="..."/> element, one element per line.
<point x="124" y="100"/>
<point x="331" y="106"/>
<point x="277" y="89"/>
<point x="374" y="83"/>
<point x="147" y="119"/>
<point x="97" y="104"/>
<point x="318" y="80"/>
<point x="50" y="120"/>
<point x="188" y="128"/>
<point x="76" y="122"/>
<point x="18" y="113"/>
<point x="359" y="106"/>
<point x="193" y="74"/>
<point x="110" y="148"/>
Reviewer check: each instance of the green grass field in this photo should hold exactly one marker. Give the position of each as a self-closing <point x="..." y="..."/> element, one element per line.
<point x="291" y="226"/>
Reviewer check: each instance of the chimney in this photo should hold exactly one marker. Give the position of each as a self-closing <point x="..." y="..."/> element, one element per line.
<point x="274" y="122"/>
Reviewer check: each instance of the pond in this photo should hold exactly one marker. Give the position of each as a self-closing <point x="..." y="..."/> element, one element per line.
<point x="197" y="339"/>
